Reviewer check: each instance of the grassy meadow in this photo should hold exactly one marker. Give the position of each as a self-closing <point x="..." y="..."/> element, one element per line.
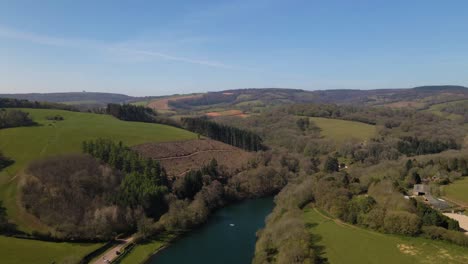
<point x="350" y="244"/>
<point x="141" y="252"/>
<point x="457" y="191"/>
<point x="437" y="110"/>
<point x="25" y="144"/>
<point x="14" y="250"/>
<point x="341" y="130"/>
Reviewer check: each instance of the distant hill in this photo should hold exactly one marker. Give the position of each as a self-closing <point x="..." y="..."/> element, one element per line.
<point x="246" y="99"/>
<point x="73" y="97"/>
<point x="418" y="97"/>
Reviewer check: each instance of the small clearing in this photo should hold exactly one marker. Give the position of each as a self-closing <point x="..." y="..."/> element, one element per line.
<point x="457" y="191"/>
<point x="182" y="156"/>
<point x="341" y="130"/>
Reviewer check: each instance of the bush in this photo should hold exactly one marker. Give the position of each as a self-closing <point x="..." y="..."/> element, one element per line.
<point x="402" y="223"/>
<point x="439" y="233"/>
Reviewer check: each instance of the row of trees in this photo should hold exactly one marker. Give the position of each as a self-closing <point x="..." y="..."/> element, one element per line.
<point x="137" y="113"/>
<point x="20" y="103"/>
<point x="145" y="182"/>
<point x="130" y="112"/>
<point x="415" y="146"/>
<point x="230" y="135"/>
<point x="14" y="118"/>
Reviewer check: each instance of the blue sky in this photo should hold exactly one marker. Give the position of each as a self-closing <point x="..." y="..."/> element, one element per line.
<point x="167" y="47"/>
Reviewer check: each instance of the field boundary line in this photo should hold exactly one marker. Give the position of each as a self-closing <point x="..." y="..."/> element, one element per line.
<point x="195" y="153"/>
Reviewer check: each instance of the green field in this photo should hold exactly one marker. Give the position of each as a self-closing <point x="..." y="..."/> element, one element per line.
<point x="341" y="130"/>
<point x="457" y="191"/>
<point x="141" y="252"/>
<point x="350" y="244"/>
<point x="25" y="144"/>
<point x="436" y="110"/>
<point x="14" y="250"/>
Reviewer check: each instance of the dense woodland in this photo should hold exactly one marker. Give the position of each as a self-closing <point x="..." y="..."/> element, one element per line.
<point x="130" y="112"/>
<point x="230" y="135"/>
<point x="74" y="195"/>
<point x="145" y="182"/>
<point x="14" y="118"/>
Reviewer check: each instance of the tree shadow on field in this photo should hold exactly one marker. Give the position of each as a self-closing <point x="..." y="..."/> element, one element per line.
<point x="319" y="250"/>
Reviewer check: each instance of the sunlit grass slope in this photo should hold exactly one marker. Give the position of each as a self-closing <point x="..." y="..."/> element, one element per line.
<point x="25" y="144"/>
<point x="353" y="245"/>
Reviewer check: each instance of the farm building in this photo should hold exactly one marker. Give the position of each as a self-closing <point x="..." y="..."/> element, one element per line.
<point x="421" y="189"/>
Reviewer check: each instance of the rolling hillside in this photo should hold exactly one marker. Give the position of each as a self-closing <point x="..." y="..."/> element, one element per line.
<point x="25" y="144"/>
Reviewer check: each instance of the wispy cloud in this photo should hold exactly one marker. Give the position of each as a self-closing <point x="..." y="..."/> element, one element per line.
<point x="9" y="33"/>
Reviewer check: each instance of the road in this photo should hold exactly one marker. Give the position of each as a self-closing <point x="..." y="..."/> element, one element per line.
<point x="111" y="254"/>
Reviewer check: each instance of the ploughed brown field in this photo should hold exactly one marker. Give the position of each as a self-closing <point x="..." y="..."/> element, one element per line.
<point x="163" y="104"/>
<point x="182" y="156"/>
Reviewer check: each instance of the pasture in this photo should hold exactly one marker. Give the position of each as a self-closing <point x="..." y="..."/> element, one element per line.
<point x="457" y="191"/>
<point x="24" y="144"/>
<point x="14" y="250"/>
<point x="349" y="244"/>
<point x="437" y="110"/>
<point x="341" y="130"/>
<point x="141" y="252"/>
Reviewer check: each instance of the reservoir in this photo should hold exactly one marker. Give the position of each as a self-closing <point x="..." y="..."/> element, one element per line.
<point x="228" y="236"/>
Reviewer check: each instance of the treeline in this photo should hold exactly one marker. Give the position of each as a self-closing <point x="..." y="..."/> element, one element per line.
<point x="145" y="182"/>
<point x="230" y="135"/>
<point x="14" y="118"/>
<point x="285" y="237"/>
<point x="412" y="146"/>
<point x="130" y="112"/>
<point x="20" y="103"/>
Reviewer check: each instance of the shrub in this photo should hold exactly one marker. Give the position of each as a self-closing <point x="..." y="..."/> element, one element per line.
<point x="403" y="223"/>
